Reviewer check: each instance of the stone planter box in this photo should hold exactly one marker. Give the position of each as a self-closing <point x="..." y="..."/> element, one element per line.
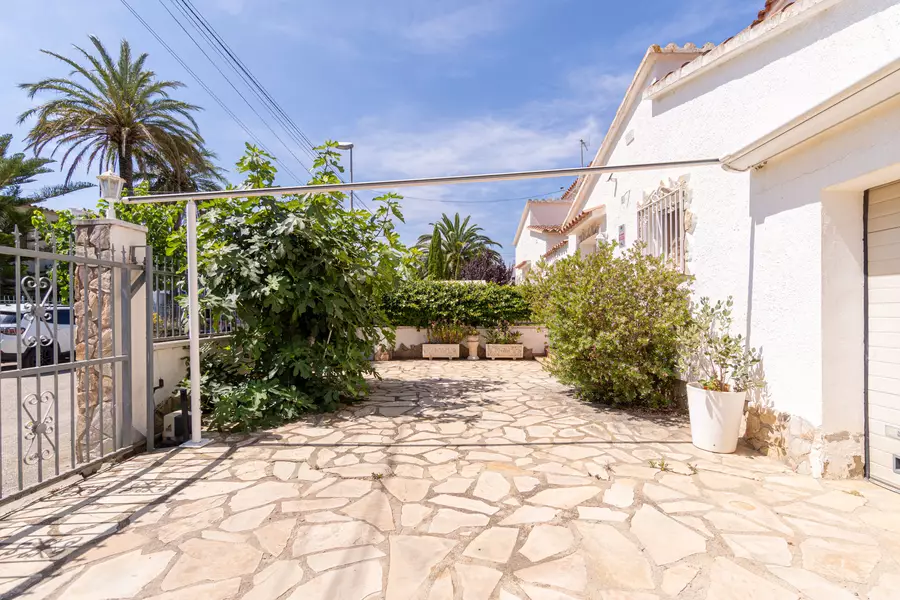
<point x="512" y="351"/>
<point x="430" y="351"/>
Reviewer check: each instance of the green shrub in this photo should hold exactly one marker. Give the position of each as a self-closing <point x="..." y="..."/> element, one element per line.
<point x="613" y="324"/>
<point x="300" y="274"/>
<point x="448" y="333"/>
<point x="501" y="333"/>
<point x="419" y="303"/>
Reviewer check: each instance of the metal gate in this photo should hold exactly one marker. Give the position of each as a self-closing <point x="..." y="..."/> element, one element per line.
<point x="65" y="348"/>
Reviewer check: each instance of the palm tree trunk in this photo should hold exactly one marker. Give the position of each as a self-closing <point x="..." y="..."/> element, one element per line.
<point x="126" y="166"/>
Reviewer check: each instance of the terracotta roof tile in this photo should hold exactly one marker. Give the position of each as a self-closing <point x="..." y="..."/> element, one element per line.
<point x="522" y="264"/>
<point x="546" y="228"/>
<point x="570" y="192"/>
<point x="772" y="7"/>
<point x="554" y="248"/>
<point x="567" y="227"/>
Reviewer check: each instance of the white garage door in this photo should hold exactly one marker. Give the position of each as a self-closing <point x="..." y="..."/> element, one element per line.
<point x="883" y="228"/>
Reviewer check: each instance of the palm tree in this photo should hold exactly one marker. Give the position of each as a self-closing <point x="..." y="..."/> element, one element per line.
<point x="460" y="242"/>
<point x="16" y="171"/>
<point x="115" y="111"/>
<point x="207" y="177"/>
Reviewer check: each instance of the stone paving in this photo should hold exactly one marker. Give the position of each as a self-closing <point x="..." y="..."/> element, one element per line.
<point x="456" y="481"/>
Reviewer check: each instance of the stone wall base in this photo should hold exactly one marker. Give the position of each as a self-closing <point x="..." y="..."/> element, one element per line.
<point x="803" y="446"/>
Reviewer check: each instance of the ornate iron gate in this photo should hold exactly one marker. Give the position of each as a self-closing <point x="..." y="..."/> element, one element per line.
<point x="65" y="380"/>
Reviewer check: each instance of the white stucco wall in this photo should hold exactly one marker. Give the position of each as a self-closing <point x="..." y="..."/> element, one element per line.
<point x="532" y="245"/>
<point x="780" y="240"/>
<point x="170" y="366"/>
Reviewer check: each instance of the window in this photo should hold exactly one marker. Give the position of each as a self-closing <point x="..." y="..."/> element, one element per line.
<point x="661" y="225"/>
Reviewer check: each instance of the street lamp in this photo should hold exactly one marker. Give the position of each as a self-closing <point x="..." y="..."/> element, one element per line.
<point x="348" y="146"/>
<point x="111" y="190"/>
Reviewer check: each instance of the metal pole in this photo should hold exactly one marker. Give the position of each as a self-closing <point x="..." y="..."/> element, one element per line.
<point x="425" y="181"/>
<point x="194" y="322"/>
<point x="351" y="178"/>
<point x="149" y="288"/>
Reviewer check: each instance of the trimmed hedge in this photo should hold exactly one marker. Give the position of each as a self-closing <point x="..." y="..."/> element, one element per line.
<point x="418" y="303"/>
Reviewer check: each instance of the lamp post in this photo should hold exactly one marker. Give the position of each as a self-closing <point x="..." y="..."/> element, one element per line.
<point x="348" y="146"/>
<point x="110" y="190"/>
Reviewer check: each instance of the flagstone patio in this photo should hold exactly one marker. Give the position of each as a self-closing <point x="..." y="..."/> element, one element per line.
<point x="456" y="480"/>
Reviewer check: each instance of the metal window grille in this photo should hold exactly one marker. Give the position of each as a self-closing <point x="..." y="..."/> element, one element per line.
<point x="661" y="225"/>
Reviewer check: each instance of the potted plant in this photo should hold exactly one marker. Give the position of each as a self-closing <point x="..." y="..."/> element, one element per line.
<point x="443" y="340"/>
<point x="502" y="342"/>
<point x="720" y="370"/>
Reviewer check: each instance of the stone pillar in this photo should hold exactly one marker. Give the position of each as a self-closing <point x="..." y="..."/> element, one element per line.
<point x="100" y="330"/>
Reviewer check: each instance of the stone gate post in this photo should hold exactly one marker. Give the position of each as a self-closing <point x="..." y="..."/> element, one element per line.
<point x="100" y="332"/>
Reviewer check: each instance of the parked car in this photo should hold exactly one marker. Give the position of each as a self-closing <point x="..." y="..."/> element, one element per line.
<point x="10" y="346"/>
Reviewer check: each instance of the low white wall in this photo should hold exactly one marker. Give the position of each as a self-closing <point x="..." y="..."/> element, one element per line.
<point x="170" y="366"/>
<point x="534" y="337"/>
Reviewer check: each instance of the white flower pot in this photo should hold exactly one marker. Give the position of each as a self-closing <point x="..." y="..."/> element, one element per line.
<point x="472" y="343"/>
<point x="715" y="418"/>
<point x="430" y="351"/>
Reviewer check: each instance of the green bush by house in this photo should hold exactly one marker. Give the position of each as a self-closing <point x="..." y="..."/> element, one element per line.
<point x="613" y="324"/>
<point x="419" y="303"/>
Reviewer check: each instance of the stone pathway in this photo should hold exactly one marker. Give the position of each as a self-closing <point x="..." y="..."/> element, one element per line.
<point x="456" y="481"/>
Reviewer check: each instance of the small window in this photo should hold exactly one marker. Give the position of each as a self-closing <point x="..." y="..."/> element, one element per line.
<point x="661" y="225"/>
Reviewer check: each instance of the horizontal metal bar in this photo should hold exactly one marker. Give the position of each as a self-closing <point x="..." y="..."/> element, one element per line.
<point x="92" y="262"/>
<point x="395" y="183"/>
<point x="63" y="366"/>
<point x="203" y="336"/>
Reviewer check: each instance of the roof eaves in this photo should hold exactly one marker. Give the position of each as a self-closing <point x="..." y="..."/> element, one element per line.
<point x="773" y="24"/>
<point x="555" y="247"/>
<point x="633" y="94"/>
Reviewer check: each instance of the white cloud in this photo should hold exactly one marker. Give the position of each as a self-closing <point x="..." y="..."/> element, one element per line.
<point x="446" y="31"/>
<point x="536" y="135"/>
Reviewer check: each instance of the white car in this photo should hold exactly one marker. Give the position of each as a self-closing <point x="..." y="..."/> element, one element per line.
<point x="9" y="346"/>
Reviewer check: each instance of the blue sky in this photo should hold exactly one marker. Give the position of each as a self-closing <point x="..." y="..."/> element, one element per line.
<point x="421" y="88"/>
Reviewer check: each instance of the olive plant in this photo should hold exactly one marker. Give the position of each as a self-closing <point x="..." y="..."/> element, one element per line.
<point x="712" y="355"/>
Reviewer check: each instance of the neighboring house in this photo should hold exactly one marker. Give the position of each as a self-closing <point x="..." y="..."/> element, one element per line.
<point x="800" y="224"/>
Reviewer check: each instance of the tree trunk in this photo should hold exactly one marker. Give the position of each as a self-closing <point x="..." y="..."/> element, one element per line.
<point x="126" y="168"/>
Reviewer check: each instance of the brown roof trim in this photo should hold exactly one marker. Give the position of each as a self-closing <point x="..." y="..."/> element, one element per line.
<point x="522" y="264"/>
<point x="567" y="227"/>
<point x="770" y="9"/>
<point x="554" y="248"/>
<point x="546" y="228"/>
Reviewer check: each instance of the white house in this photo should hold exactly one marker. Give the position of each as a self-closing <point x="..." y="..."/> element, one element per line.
<point x="800" y="224"/>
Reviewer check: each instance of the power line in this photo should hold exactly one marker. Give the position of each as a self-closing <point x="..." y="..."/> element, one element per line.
<point x="202" y="84"/>
<point x="221" y="47"/>
<point x="251" y="80"/>
<point x="230" y="83"/>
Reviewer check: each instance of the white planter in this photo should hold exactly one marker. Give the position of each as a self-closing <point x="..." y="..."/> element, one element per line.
<point x="430" y="351"/>
<point x="472" y="343"/>
<point x="512" y="351"/>
<point x="715" y="418"/>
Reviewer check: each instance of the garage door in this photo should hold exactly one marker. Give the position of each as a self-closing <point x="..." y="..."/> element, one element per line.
<point x="883" y="255"/>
